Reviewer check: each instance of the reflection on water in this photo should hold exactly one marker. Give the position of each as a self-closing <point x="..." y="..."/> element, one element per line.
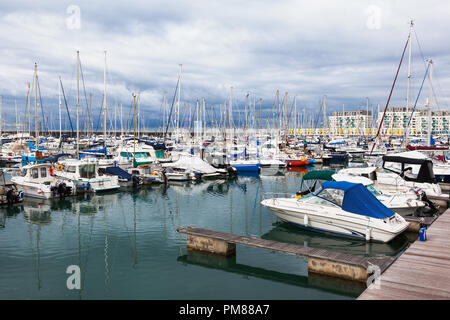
<point x="284" y="232"/>
<point x="316" y="281"/>
<point x="127" y="246"/>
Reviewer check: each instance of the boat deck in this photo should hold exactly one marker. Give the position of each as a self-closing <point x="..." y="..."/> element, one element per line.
<point x="421" y="272"/>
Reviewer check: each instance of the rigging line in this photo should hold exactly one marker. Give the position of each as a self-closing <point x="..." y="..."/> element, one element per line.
<point x="67" y="107"/>
<point x="84" y="90"/>
<point x="390" y="94"/>
<point x="171" y="109"/>
<point x="415" y="103"/>
<point x="45" y="122"/>
<point x="99" y="115"/>
<point x="26" y="107"/>
<point x="425" y="64"/>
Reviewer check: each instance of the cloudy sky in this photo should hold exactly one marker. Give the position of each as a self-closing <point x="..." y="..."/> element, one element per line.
<point x="346" y="50"/>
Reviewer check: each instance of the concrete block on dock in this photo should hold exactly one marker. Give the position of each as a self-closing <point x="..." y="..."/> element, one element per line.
<point x="210" y="245"/>
<point x="413" y="227"/>
<point x="337" y="269"/>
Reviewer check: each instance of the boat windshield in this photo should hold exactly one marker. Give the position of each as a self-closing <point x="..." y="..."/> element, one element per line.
<point x="137" y="154"/>
<point x="87" y="171"/>
<point x="373" y="190"/>
<point x="335" y="196"/>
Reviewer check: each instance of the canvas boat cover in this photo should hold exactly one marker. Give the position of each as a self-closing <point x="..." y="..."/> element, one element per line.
<point x="117" y="171"/>
<point x="193" y="164"/>
<point x="319" y="175"/>
<point x="359" y="200"/>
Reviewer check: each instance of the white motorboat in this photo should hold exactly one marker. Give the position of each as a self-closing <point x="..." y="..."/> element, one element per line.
<point x="85" y="175"/>
<point x="401" y="174"/>
<point x="341" y="208"/>
<point x="39" y="181"/>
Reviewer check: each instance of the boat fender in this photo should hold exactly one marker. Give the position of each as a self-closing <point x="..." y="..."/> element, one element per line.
<point x="368" y="233"/>
<point x="51" y="171"/>
<point x="305" y="220"/>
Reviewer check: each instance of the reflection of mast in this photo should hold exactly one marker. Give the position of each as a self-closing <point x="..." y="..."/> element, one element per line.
<point x="106" y="251"/>
<point x="38" y="265"/>
<point x="231" y="210"/>
<point x="79" y="250"/>
<point x="134" y="251"/>
<point x="38" y="233"/>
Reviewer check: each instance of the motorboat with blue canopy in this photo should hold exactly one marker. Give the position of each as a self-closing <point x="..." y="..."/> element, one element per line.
<point x="357" y="199"/>
<point x="340" y="208"/>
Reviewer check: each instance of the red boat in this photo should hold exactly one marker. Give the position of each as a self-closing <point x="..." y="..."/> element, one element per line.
<point x="297" y="163"/>
<point x="298" y="169"/>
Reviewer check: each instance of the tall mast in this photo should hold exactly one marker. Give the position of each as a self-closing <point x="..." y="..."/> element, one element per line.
<point x="36" y="124"/>
<point x="121" y="120"/>
<point x="430" y="97"/>
<point x="178" y="103"/>
<point x="59" y="107"/>
<point x="409" y="77"/>
<point x="325" y="119"/>
<point x="134" y="127"/>
<point x="367" y="115"/>
<point x="409" y="65"/>
<point x="78" y="102"/>
<point x="139" y="114"/>
<point x="295" y="115"/>
<point x="260" y="113"/>
<point x="1" y="120"/>
<point x="104" y="101"/>
<point x="285" y="117"/>
<point x="231" y="107"/>
<point x="277" y="110"/>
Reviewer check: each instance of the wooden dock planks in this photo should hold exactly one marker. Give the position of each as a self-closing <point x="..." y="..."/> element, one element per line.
<point x="323" y="259"/>
<point x="421" y="272"/>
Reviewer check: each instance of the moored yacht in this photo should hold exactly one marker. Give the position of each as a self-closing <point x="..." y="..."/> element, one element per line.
<point x="85" y="175"/>
<point x="39" y="181"/>
<point x="341" y="208"/>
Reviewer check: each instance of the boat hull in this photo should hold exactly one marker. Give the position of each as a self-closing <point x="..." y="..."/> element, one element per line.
<point x="353" y="226"/>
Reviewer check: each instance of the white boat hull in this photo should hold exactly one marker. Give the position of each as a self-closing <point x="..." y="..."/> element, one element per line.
<point x="333" y="221"/>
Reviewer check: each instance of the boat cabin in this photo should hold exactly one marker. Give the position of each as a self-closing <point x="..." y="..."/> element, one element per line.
<point x="410" y="169"/>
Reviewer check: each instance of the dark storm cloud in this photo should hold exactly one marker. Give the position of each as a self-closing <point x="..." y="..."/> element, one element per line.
<point x="347" y="50"/>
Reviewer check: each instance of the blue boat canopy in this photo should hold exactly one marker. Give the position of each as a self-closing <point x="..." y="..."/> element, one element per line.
<point x="359" y="200"/>
<point x="118" y="172"/>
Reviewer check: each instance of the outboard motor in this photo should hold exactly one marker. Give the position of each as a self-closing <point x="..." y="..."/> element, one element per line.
<point x="11" y="197"/>
<point x="136" y="181"/>
<point x="61" y="189"/>
<point x="430" y="209"/>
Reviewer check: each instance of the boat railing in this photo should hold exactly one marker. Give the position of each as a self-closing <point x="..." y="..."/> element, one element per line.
<point x="275" y="195"/>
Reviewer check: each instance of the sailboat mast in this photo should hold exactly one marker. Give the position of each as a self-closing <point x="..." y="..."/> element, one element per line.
<point x="36" y="124"/>
<point x="78" y="102"/>
<point x="409" y="66"/>
<point x="59" y="107"/>
<point x="430" y="97"/>
<point x="409" y="76"/>
<point x="178" y="103"/>
<point x="104" y="101"/>
<point x="139" y="114"/>
<point x="1" y="120"/>
<point x="134" y="126"/>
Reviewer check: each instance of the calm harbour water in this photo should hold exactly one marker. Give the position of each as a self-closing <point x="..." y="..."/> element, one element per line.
<point x="127" y="246"/>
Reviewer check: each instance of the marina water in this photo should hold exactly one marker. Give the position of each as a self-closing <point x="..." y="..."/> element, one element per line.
<point x="127" y="247"/>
